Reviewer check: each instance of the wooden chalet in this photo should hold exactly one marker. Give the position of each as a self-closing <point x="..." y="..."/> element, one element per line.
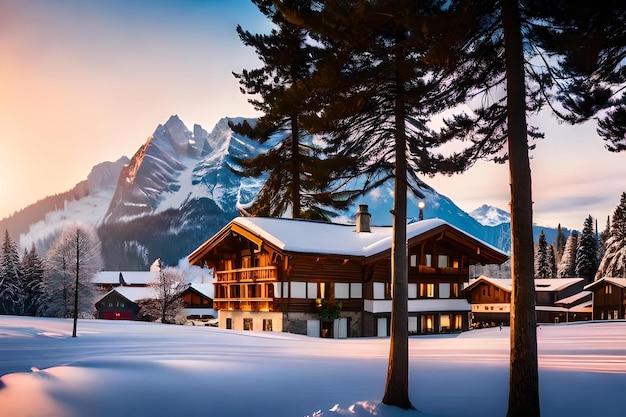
<point x="121" y="302"/>
<point x="198" y="300"/>
<point x="557" y="300"/>
<point x="609" y="298"/>
<point x="334" y="280"/>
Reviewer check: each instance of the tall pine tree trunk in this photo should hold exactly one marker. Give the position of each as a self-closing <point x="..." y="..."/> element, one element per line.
<point x="397" y="386"/>
<point x="295" y="168"/>
<point x="523" y="377"/>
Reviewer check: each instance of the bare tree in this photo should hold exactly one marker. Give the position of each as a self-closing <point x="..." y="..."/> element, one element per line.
<point x="169" y="287"/>
<point x="72" y="261"/>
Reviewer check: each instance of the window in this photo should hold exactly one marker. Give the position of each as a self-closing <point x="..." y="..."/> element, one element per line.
<point x="608" y="289"/>
<point x="311" y="290"/>
<point x="427" y="290"/>
<point x="412" y="324"/>
<point x="413" y="260"/>
<point x="267" y="325"/>
<point x="247" y="324"/>
<point x="229" y="323"/>
<point x="444" y="290"/>
<point x="458" y="322"/>
<point x="298" y="290"/>
<point x="444" y="322"/>
<point x="412" y="290"/>
<point x="428" y="259"/>
<point x="379" y="290"/>
<point x="455" y="289"/>
<point x="356" y="290"/>
<point x="342" y="290"/>
<point x="442" y="261"/>
<point x="428" y="323"/>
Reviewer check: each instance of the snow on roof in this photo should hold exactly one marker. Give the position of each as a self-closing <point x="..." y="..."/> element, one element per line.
<point x="504" y="283"/>
<point x="130" y="277"/>
<point x="204" y="289"/>
<point x="620" y="282"/>
<point x="135" y="293"/>
<point x="296" y="235"/>
<point x="555" y="284"/>
<point x="572" y="299"/>
<point x="543" y="284"/>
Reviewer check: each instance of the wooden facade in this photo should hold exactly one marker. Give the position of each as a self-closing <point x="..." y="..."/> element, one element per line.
<point x="609" y="298"/>
<point x="115" y="306"/>
<point x="329" y="280"/>
<point x="491" y="299"/>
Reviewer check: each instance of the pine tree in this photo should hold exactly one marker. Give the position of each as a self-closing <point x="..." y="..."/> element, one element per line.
<point x="586" y="263"/>
<point x="300" y="174"/>
<point x="567" y="266"/>
<point x="10" y="277"/>
<point x="32" y="267"/>
<point x="551" y="262"/>
<point x="391" y="67"/>
<point x="602" y="241"/>
<point x="560" y="243"/>
<point x="613" y="264"/>
<point x="543" y="267"/>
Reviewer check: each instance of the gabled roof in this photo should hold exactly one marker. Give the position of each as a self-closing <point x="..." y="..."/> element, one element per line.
<point x="618" y="282"/>
<point x="133" y="293"/>
<point x="202" y="289"/>
<point x="305" y="236"/>
<point x="543" y="284"/>
<point x="502" y="283"/>
<point x="130" y="277"/>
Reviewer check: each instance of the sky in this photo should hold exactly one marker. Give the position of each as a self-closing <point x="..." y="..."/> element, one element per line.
<point x="83" y="82"/>
<point x="137" y="368"/>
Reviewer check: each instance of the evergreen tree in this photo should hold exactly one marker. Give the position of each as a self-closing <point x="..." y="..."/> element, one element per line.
<point x="602" y="241"/>
<point x="567" y="266"/>
<point x="560" y="243"/>
<point x="32" y="267"/>
<point x="586" y="263"/>
<point x="300" y="174"/>
<point x="388" y="72"/>
<point x="613" y="264"/>
<point x="580" y="77"/>
<point x="551" y="262"/>
<point x="10" y="277"/>
<point x="543" y="267"/>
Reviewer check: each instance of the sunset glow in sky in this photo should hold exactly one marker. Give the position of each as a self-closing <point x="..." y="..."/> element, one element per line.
<point x="83" y="82"/>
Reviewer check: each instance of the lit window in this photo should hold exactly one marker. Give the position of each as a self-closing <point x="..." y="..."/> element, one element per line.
<point x="608" y="289"/>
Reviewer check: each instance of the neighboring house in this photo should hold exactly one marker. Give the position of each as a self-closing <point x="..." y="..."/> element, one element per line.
<point x="557" y="300"/>
<point x="609" y="298"/>
<point x="198" y="300"/>
<point x="120" y="303"/>
<point x="334" y="280"/>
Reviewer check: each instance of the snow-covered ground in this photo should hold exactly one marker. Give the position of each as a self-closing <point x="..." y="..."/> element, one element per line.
<point x="145" y="369"/>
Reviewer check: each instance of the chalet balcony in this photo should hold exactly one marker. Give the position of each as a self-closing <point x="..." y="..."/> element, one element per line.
<point x="244" y="304"/>
<point x="257" y="274"/>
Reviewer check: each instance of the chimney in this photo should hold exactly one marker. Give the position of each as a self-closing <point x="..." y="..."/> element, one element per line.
<point x="363" y="219"/>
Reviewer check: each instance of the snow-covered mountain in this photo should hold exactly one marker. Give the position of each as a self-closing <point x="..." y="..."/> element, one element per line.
<point x="490" y="216"/>
<point x="180" y="188"/>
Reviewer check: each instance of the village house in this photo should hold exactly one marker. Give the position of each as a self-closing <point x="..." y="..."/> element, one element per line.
<point x="557" y="300"/>
<point x="334" y="280"/>
<point x="609" y="298"/>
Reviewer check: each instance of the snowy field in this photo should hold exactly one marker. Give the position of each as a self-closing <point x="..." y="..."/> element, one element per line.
<point x="144" y="369"/>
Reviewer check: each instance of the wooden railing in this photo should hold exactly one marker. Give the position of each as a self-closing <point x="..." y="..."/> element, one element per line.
<point x="244" y="304"/>
<point x="262" y="273"/>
